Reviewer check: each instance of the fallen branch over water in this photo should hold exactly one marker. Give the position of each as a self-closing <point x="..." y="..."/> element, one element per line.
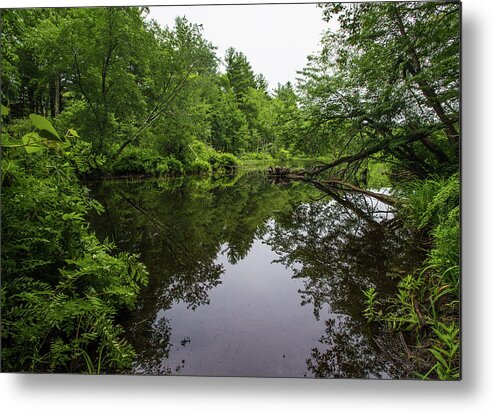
<point x="328" y="185"/>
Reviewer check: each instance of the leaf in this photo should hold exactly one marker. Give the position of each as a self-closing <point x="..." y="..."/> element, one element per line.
<point x="439" y="357"/>
<point x="44" y="125"/>
<point x="33" y="143"/>
<point x="73" y="133"/>
<point x="72" y="215"/>
<point x="5" y="139"/>
<point x="4" y="110"/>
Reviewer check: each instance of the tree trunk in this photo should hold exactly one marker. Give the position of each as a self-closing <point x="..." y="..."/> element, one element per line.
<point x="433" y="148"/>
<point x="428" y="91"/>
<point x="56" y="107"/>
<point x="52" y="98"/>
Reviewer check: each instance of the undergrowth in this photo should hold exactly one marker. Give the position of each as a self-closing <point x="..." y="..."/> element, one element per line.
<point x="426" y="306"/>
<point x="62" y="289"/>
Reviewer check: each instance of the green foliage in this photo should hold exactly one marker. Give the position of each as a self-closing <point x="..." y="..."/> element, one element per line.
<point x="387" y="80"/>
<point x="402" y="313"/>
<point x="200" y="151"/>
<point x="257" y="156"/>
<point x="426" y="303"/>
<point x="45" y="128"/>
<point x="199" y="167"/>
<point x="151" y="101"/>
<point x="283" y="154"/>
<point x="378" y="175"/>
<point x="61" y="288"/>
<point x="239" y="73"/>
<point x="33" y="143"/>
<point x="428" y="203"/>
<point x="229" y="126"/>
<point x="148" y="162"/>
<point x="57" y="329"/>
<point x="175" y="167"/>
<point x="4" y="111"/>
<point x="123" y="82"/>
<point x="287" y="123"/>
<point x="223" y="161"/>
<point x="139" y="161"/>
<point x="445" y="256"/>
<point x="82" y="157"/>
<point x="445" y="351"/>
<point x="371" y="301"/>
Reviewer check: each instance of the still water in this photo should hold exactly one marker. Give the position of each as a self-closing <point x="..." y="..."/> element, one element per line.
<point x="248" y="278"/>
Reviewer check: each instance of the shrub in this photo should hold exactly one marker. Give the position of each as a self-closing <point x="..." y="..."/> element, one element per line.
<point x="199" y="167"/>
<point x="145" y="161"/>
<point x="162" y="167"/>
<point x="427" y="302"/>
<point x="427" y="203"/>
<point x="284" y="154"/>
<point x="200" y="151"/>
<point x="61" y="288"/>
<point x="223" y="161"/>
<point x="136" y="160"/>
<point x="175" y="167"/>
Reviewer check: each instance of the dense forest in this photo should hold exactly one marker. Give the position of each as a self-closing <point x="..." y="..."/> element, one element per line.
<point x="107" y="92"/>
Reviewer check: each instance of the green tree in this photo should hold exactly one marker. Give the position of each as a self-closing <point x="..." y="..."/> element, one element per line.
<point x="260" y="119"/>
<point x="229" y="126"/>
<point x="180" y="56"/>
<point x="287" y="120"/>
<point x="239" y="73"/>
<point x="387" y="82"/>
<point x="91" y="61"/>
<point x="25" y="83"/>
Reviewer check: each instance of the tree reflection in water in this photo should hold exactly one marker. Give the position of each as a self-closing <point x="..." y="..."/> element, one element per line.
<point x="339" y="248"/>
<point x="335" y="246"/>
<point x="180" y="227"/>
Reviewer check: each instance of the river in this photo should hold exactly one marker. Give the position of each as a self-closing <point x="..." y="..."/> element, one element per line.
<point x="248" y="278"/>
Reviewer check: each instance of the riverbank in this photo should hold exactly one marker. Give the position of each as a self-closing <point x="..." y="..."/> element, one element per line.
<point x="426" y="308"/>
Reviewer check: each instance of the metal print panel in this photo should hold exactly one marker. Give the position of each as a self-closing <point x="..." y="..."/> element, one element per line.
<point x="235" y="190"/>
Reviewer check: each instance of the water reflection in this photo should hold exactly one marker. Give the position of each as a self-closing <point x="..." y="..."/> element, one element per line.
<point x="352" y="351"/>
<point x="339" y="248"/>
<point x="337" y="253"/>
<point x="252" y="279"/>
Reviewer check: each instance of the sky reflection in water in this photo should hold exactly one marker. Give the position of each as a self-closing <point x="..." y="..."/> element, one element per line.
<point x="253" y="279"/>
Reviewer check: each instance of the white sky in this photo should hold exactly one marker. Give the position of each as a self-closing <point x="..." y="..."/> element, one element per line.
<point x="275" y="38"/>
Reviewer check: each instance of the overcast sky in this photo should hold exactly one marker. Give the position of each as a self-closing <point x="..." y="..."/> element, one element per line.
<point x="275" y="38"/>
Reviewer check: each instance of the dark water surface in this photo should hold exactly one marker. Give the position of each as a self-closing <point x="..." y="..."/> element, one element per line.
<point x="248" y="278"/>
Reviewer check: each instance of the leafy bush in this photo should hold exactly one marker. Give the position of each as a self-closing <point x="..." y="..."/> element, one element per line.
<point x="144" y="161"/>
<point x="223" y="161"/>
<point x="137" y="160"/>
<point x="200" y="151"/>
<point x="199" y="167"/>
<point x="427" y="302"/>
<point x="162" y="168"/>
<point x="284" y="154"/>
<point x="62" y="288"/>
<point x="427" y="203"/>
<point x="445" y="256"/>
<point x="175" y="167"/>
